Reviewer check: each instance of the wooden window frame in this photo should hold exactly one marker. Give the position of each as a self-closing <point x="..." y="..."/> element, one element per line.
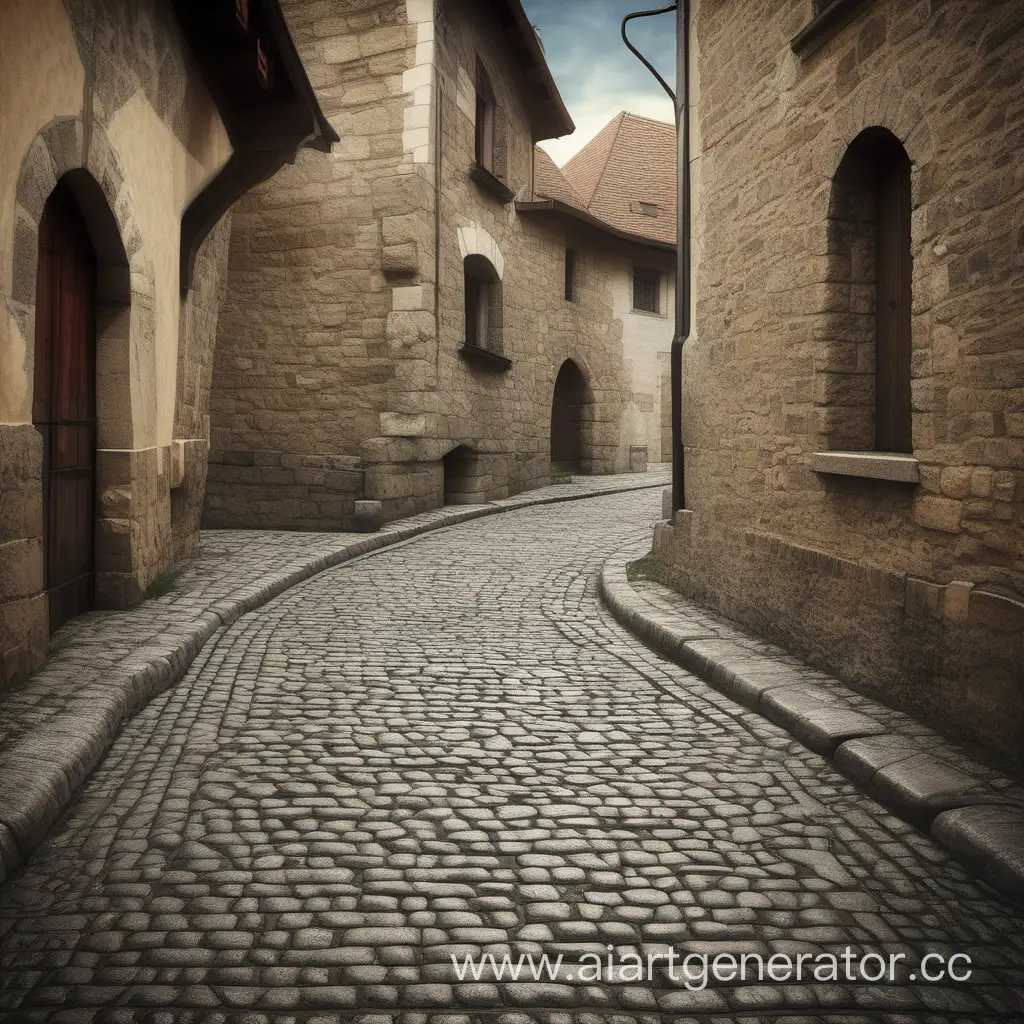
<point x="654" y="277"/>
<point x="485" y="119"/>
<point x="893" y="305"/>
<point x="483" y="299"/>
<point x="477" y="311"/>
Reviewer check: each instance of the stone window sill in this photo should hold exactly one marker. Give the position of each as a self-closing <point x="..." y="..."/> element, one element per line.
<point x="890" y="466"/>
<point x="822" y="27"/>
<point x="489" y="183"/>
<point x="480" y="357"/>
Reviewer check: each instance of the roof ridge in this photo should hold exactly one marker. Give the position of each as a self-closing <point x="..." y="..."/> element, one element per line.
<point x="611" y="149"/>
<point x="649" y="120"/>
<point x="544" y="164"/>
<point x="617" y="121"/>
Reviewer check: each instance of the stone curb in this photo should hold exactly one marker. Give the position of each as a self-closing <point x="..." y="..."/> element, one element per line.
<point x="42" y="772"/>
<point x="977" y="822"/>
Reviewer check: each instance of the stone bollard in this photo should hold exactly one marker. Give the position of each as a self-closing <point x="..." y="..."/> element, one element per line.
<point x="666" y="504"/>
<point x="638" y="458"/>
<point x="367" y="516"/>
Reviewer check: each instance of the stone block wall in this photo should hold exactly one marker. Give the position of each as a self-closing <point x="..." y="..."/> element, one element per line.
<point x="341" y="331"/>
<point x="23" y="610"/>
<point x="196" y="347"/>
<point x="781" y="365"/>
<point x="304" y="367"/>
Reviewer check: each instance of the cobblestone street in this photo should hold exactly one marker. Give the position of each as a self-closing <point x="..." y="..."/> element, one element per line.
<point x="449" y="747"/>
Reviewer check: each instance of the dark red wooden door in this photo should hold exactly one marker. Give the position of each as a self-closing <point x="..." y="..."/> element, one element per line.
<point x="566" y="418"/>
<point x="64" y="403"/>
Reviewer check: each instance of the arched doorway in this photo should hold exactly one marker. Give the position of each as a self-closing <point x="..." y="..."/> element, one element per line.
<point x="64" y="403"/>
<point x="567" y="419"/>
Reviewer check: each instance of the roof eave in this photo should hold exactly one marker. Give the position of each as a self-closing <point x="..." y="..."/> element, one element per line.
<point x="553" y="120"/>
<point x="325" y="136"/>
<point x="564" y="210"/>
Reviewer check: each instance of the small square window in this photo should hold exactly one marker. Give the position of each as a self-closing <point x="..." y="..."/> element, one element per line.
<point x="646" y="290"/>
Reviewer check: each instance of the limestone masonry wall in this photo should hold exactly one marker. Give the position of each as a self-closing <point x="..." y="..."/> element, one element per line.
<point x="915" y="592"/>
<point x="340" y="371"/>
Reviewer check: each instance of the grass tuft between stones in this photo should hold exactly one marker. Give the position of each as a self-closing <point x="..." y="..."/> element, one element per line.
<point x="162" y="584"/>
<point x="647" y="569"/>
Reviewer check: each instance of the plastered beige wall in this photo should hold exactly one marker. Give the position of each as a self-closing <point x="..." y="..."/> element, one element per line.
<point x="646" y="342"/>
<point x="168" y="176"/>
<point x="41" y="77"/>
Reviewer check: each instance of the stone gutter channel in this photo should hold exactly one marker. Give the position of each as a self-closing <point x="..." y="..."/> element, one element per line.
<point x="971" y="809"/>
<point x="57" y="726"/>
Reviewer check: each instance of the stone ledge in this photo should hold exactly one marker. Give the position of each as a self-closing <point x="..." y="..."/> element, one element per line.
<point x="42" y="766"/>
<point x="824" y="26"/>
<point x="868" y="465"/>
<point x="990" y="839"/>
<point x="973" y="811"/>
<point x="491" y="184"/>
<point x="484" y="359"/>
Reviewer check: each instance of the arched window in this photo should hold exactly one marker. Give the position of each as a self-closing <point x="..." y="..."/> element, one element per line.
<point x="484" y="316"/>
<point x="869" y="231"/>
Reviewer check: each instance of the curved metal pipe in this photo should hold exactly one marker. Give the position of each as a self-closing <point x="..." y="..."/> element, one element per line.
<point x="643" y="60"/>
<point x="681" y="101"/>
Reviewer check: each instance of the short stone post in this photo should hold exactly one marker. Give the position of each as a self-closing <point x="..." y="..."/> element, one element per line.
<point x="666" y="504"/>
<point x="367" y="516"/>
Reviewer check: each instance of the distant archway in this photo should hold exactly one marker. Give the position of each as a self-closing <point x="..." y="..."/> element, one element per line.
<point x="567" y="419"/>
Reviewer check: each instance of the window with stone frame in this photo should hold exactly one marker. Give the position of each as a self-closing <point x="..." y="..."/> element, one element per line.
<point x="864" y="368"/>
<point x="483" y="305"/>
<point x="646" y="290"/>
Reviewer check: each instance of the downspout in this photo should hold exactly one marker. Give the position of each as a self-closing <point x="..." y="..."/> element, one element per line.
<point x="681" y="101"/>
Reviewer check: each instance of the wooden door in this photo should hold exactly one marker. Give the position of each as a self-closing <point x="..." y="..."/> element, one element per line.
<point x="893" y="272"/>
<point x="567" y="418"/>
<point x="64" y="404"/>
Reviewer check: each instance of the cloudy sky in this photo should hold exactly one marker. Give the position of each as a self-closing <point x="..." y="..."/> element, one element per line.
<point x="596" y="75"/>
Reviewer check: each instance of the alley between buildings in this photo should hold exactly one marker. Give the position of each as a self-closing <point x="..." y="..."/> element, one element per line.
<point x="449" y="747"/>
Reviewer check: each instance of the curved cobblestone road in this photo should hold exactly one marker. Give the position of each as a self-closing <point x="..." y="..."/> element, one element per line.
<point x="448" y="747"/>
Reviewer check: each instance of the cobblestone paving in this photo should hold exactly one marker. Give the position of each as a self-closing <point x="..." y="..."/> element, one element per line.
<point x="233" y="565"/>
<point x="448" y="747"/>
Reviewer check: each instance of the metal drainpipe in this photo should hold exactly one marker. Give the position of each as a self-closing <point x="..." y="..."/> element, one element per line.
<point x="680" y="99"/>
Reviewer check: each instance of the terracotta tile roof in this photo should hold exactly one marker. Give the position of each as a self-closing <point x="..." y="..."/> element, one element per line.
<point x="631" y="161"/>
<point x="548" y="181"/>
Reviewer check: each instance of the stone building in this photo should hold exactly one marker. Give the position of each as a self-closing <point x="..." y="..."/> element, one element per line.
<point x="854" y="405"/>
<point x="625" y="180"/>
<point x="116" y="167"/>
<point x="405" y="319"/>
